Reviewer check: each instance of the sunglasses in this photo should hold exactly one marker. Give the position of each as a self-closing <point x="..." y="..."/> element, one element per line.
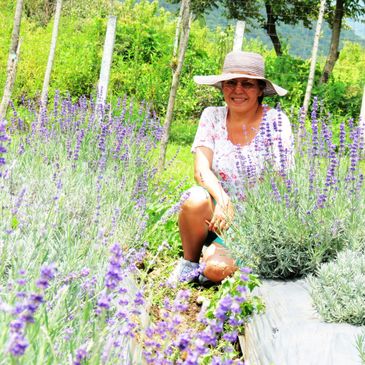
<point x="232" y="84"/>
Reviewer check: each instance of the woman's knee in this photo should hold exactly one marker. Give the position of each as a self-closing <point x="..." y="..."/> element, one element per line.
<point x="196" y="199"/>
<point x="218" y="263"/>
<point x="217" y="270"/>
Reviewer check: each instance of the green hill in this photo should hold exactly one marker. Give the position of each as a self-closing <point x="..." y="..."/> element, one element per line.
<point x="298" y="39"/>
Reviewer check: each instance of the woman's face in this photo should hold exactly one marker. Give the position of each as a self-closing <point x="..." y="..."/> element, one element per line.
<point x="241" y="94"/>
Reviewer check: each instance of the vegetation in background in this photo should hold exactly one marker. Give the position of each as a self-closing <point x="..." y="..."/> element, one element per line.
<point x="296" y="38"/>
<point x="141" y="63"/>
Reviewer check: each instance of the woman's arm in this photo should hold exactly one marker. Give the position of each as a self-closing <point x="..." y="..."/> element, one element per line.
<point x="204" y="176"/>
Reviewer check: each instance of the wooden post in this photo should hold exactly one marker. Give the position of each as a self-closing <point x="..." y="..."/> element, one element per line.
<point x="107" y="59"/>
<point x="308" y="91"/>
<point x="183" y="42"/>
<point x="238" y="36"/>
<point x="47" y="75"/>
<point x="12" y="60"/>
<point x="362" y="114"/>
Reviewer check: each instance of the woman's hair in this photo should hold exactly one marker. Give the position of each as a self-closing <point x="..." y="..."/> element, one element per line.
<point x="262" y="85"/>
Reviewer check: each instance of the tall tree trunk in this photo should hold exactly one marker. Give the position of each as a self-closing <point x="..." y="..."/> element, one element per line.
<point x="184" y="37"/>
<point x="12" y="60"/>
<point x="335" y="41"/>
<point x="271" y="29"/>
<point x="47" y="75"/>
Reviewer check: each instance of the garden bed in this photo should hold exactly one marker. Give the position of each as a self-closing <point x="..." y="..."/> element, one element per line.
<point x="291" y="331"/>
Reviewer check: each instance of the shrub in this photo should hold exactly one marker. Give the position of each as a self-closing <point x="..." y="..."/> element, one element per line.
<point x="75" y="186"/>
<point x="293" y="221"/>
<point x="338" y="289"/>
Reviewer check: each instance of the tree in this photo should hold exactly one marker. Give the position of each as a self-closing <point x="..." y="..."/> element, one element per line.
<point x="284" y="11"/>
<point x="267" y="13"/>
<point x="343" y="9"/>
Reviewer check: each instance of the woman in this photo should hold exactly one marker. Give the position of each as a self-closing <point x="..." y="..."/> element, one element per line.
<point x="230" y="142"/>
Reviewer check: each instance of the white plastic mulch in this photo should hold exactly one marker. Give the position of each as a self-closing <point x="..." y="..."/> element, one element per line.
<point x="290" y="332"/>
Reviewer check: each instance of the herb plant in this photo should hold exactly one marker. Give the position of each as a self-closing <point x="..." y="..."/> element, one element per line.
<point x="292" y="220"/>
<point x="338" y="289"/>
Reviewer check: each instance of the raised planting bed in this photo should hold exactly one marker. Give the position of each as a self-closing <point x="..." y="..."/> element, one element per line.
<point x="291" y="331"/>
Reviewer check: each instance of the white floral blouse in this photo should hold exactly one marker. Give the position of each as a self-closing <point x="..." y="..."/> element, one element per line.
<point x="234" y="164"/>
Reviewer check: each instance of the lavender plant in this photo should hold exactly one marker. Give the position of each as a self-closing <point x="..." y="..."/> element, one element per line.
<point x="338" y="289"/>
<point x="211" y="339"/>
<point x="76" y="181"/>
<point x="77" y="190"/>
<point x="3" y="139"/>
<point x="293" y="220"/>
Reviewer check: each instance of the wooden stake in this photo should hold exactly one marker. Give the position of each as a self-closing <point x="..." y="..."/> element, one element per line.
<point x="362" y="114"/>
<point x="12" y="60"/>
<point x="107" y="59"/>
<point x="52" y="51"/>
<point x="238" y="36"/>
<point x="308" y="91"/>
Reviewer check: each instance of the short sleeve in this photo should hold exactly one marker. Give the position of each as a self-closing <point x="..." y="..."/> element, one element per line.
<point x="204" y="136"/>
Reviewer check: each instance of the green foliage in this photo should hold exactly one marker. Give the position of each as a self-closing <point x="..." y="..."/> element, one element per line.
<point x="177" y="177"/>
<point x="353" y="9"/>
<point x="233" y="286"/>
<point x="288" y="225"/>
<point x="39" y="11"/>
<point x="338" y="289"/>
<point x="290" y="73"/>
<point x="75" y="185"/>
<point x="360" y="345"/>
<point x="237" y="288"/>
<point x="143" y="56"/>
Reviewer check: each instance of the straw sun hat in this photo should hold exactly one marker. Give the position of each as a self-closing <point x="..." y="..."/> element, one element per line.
<point x="238" y="64"/>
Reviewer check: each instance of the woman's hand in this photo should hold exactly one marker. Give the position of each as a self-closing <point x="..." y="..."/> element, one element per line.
<point x="222" y="217"/>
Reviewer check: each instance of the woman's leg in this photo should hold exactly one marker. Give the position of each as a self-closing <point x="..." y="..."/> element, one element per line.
<point x="194" y="212"/>
<point x="218" y="263"/>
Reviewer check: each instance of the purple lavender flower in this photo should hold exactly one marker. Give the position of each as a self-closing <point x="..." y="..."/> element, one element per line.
<point x="230" y="336"/>
<point x="84" y="272"/>
<point x="181" y="302"/>
<point x="17" y="345"/>
<point x="80" y="137"/>
<point x="3" y="138"/>
<point x="139" y="300"/>
<point x="183" y="341"/>
<point x="104" y="302"/>
<point x="48" y="273"/>
<point x="17" y="326"/>
<point x="81" y="355"/>
<point x="114" y="275"/>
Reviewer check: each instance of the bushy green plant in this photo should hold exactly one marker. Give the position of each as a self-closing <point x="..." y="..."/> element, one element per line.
<point x="291" y="222"/>
<point x="338" y="289"/>
<point x="75" y="186"/>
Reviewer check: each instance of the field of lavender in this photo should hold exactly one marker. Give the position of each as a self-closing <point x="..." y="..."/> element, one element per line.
<point x="79" y="246"/>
